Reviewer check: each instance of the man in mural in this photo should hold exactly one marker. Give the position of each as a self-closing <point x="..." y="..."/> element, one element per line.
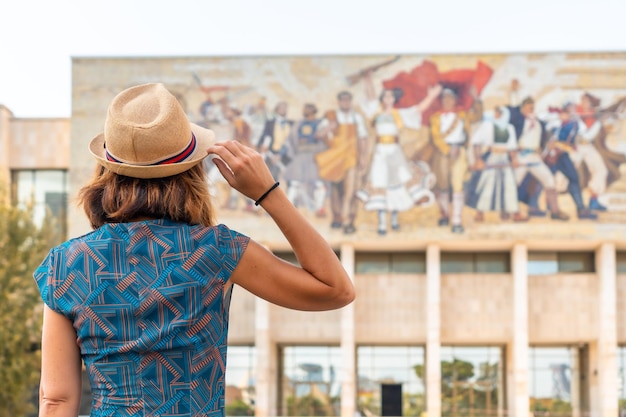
<point x="343" y="163"/>
<point x="597" y="164"/>
<point x="256" y="116"/>
<point x="557" y="155"/>
<point x="391" y="184"/>
<point x="531" y="133"/>
<point x="241" y="133"/>
<point x="493" y="186"/>
<point x="448" y="133"/>
<point x="304" y="186"/>
<point x="273" y="140"/>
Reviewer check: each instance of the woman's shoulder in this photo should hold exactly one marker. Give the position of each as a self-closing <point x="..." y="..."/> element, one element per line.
<point x="219" y="233"/>
<point x="214" y="233"/>
<point x="77" y="240"/>
<point x="163" y="230"/>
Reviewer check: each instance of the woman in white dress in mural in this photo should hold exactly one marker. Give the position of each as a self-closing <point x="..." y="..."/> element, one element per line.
<point x="493" y="186"/>
<point x="391" y="184"/>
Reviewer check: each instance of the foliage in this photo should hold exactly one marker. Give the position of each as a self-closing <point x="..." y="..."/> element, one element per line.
<point x="454" y="371"/>
<point x="413" y="405"/>
<point x="551" y="405"/>
<point x="23" y="246"/>
<point x="238" y="408"/>
<point x="462" y="390"/>
<point x="308" y="405"/>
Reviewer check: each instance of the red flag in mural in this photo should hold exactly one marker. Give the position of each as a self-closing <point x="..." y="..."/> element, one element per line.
<point x="466" y="83"/>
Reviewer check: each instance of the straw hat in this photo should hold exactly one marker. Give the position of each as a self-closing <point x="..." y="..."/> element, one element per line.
<point x="147" y="135"/>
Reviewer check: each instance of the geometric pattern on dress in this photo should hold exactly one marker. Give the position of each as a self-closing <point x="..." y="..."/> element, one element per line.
<point x="150" y="309"/>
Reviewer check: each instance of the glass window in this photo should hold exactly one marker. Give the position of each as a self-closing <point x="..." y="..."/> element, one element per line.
<point x="288" y="256"/>
<point x="46" y="191"/>
<point x="475" y="263"/>
<point x="621" y="380"/>
<point x="544" y="263"/>
<point x="620" y="259"/>
<point x="471" y="380"/>
<point x="553" y="372"/>
<point x="240" y="381"/>
<point x="311" y="383"/>
<point x="378" y="365"/>
<point x="390" y="262"/>
<point x="577" y="262"/>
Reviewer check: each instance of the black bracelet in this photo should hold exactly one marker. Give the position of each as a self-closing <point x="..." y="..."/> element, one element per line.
<point x="276" y="184"/>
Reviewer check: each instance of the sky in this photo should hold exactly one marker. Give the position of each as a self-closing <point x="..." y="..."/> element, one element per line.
<point x="38" y="38"/>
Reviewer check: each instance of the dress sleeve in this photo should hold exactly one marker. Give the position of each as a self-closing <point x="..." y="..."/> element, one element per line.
<point x="45" y="278"/>
<point x="231" y="246"/>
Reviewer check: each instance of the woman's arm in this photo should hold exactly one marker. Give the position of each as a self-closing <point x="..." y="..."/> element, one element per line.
<point x="370" y="90"/>
<point x="432" y="93"/>
<point x="321" y="283"/>
<point x="60" y="388"/>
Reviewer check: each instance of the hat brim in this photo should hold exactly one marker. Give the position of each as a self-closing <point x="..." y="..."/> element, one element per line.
<point x="204" y="139"/>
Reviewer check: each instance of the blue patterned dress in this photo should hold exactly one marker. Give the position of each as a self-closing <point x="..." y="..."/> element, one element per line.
<point x="150" y="308"/>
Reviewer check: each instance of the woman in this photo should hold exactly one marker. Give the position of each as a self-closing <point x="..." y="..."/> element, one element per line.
<point x="493" y="186"/>
<point x="392" y="185"/>
<point x="143" y="299"/>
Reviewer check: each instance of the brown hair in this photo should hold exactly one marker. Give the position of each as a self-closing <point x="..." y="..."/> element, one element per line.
<point x="114" y="198"/>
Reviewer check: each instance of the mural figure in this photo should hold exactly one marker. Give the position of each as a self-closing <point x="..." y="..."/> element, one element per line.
<point x="304" y="186"/>
<point x="493" y="186"/>
<point x="557" y="151"/>
<point x="390" y="175"/>
<point x="448" y="134"/>
<point x="272" y="144"/>
<point x="597" y="165"/>
<point x="343" y="163"/>
<point x="256" y="117"/>
<point x="424" y="138"/>
<point x="585" y="152"/>
<point x="241" y="133"/>
<point x="531" y="133"/>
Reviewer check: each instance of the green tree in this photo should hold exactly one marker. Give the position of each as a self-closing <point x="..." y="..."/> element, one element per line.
<point x="238" y="408"/>
<point x="456" y="371"/>
<point x="23" y="246"/>
<point x="308" y="405"/>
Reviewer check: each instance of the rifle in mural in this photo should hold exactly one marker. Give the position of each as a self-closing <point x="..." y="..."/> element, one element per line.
<point x="501" y="166"/>
<point x="354" y="78"/>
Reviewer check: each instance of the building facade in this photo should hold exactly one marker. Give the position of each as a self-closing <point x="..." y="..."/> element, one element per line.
<point x="469" y="301"/>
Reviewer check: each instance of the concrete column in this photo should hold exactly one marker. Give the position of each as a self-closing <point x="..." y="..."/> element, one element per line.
<point x="348" y="345"/>
<point x="266" y="363"/>
<point x="517" y="351"/>
<point x="594" y="384"/>
<point x="575" y="382"/>
<point x="433" y="331"/>
<point x="605" y="366"/>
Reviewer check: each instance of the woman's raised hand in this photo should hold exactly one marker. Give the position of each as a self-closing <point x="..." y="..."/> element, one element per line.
<point x="242" y="167"/>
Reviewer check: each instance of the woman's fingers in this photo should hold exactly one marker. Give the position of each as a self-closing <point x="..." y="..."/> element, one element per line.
<point x="224" y="169"/>
<point x="225" y="150"/>
<point x="242" y="167"/>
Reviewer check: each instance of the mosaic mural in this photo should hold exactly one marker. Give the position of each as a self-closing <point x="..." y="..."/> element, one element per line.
<point x="407" y="146"/>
